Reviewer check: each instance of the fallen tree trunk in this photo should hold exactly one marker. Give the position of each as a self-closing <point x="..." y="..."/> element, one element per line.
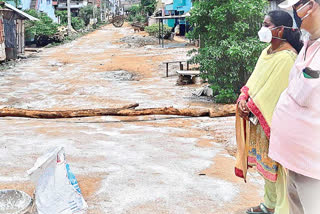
<point x="17" y="112"/>
<point x="217" y="111"/>
<point x="164" y="111"/>
<point x="223" y="110"/>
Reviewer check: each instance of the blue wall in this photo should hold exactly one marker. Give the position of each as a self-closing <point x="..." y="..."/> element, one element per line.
<point x="46" y="7"/>
<point x="43" y="6"/>
<point x="182" y="5"/>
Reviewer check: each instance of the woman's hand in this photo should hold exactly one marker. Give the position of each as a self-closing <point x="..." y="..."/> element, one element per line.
<point x="243" y="109"/>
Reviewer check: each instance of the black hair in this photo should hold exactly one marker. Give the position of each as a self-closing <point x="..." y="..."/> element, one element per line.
<point x="293" y="36"/>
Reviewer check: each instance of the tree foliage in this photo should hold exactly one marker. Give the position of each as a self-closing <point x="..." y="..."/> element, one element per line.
<point x="63" y="14"/>
<point x="85" y="13"/>
<point x="229" y="43"/>
<point x="135" y="10"/>
<point x="153" y="30"/>
<point x="138" y="13"/>
<point x="148" y="6"/>
<point x="76" y="22"/>
<point x="44" y="27"/>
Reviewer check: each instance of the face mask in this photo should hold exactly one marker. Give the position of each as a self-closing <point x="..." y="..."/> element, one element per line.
<point x="265" y="34"/>
<point x="297" y="19"/>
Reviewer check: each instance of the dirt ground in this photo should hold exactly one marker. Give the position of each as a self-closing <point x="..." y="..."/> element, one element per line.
<point x="151" y="164"/>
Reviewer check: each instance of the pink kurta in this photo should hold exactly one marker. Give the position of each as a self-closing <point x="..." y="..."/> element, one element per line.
<point x="295" y="128"/>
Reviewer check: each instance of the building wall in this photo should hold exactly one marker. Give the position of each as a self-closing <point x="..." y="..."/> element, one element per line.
<point x="40" y="5"/>
<point x="46" y="7"/>
<point x="182" y="5"/>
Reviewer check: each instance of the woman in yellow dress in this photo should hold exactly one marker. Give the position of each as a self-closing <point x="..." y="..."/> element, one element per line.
<point x="256" y="104"/>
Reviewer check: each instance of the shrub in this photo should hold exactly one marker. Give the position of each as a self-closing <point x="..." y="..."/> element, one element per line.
<point x="44" y="27"/>
<point x="153" y="30"/>
<point x="85" y="13"/>
<point x="77" y="23"/>
<point x="63" y="14"/>
<point x="229" y="43"/>
<point x="148" y="6"/>
<point x="140" y="19"/>
<point x="135" y="10"/>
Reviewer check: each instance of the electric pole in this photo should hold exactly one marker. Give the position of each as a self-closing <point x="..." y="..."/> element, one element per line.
<point x="69" y="17"/>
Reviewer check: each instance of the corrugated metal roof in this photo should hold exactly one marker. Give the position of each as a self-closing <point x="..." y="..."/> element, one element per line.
<point x="21" y="13"/>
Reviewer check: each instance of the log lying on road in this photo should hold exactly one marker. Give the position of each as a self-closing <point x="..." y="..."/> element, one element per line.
<point x="33" y="49"/>
<point x="223" y="110"/>
<point x="217" y="111"/>
<point x="165" y="111"/>
<point x="17" y="112"/>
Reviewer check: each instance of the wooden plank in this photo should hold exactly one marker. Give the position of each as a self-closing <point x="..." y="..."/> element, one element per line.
<point x="188" y="72"/>
<point x="33" y="49"/>
<point x="178" y="61"/>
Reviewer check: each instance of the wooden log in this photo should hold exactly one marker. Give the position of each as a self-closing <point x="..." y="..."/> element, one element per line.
<point x="217" y="111"/>
<point x="33" y="49"/>
<point x="16" y="112"/>
<point x="223" y="110"/>
<point x="164" y="111"/>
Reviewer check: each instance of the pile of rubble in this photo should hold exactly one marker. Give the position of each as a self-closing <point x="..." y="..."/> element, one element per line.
<point x="139" y="41"/>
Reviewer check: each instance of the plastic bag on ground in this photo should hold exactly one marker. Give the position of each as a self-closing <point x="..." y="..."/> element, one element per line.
<point x="57" y="190"/>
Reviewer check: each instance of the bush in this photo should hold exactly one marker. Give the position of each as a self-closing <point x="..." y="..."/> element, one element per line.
<point x="44" y="27"/>
<point x="148" y="6"/>
<point x="140" y="19"/>
<point x="229" y="43"/>
<point x="77" y="23"/>
<point x="136" y="14"/>
<point x="85" y="13"/>
<point x="153" y="30"/>
<point x="135" y="10"/>
<point x="63" y="14"/>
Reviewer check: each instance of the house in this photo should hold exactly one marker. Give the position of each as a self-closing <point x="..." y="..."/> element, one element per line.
<point x="176" y="8"/>
<point x="75" y="5"/>
<point x="12" y="31"/>
<point x="45" y="6"/>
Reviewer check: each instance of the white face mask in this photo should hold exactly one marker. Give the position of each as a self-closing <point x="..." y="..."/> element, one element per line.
<point x="265" y="34"/>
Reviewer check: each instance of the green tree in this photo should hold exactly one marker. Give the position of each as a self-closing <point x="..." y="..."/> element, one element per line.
<point x="229" y="43"/>
<point x="148" y="6"/>
<point x="77" y="22"/>
<point x="63" y="14"/>
<point x="135" y="10"/>
<point x="44" y="27"/>
<point x="85" y="13"/>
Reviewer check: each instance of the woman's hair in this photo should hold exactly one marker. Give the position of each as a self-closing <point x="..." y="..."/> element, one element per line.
<point x="293" y="36"/>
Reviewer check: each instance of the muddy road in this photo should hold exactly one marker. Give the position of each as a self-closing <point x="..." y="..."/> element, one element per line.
<point x="123" y="164"/>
